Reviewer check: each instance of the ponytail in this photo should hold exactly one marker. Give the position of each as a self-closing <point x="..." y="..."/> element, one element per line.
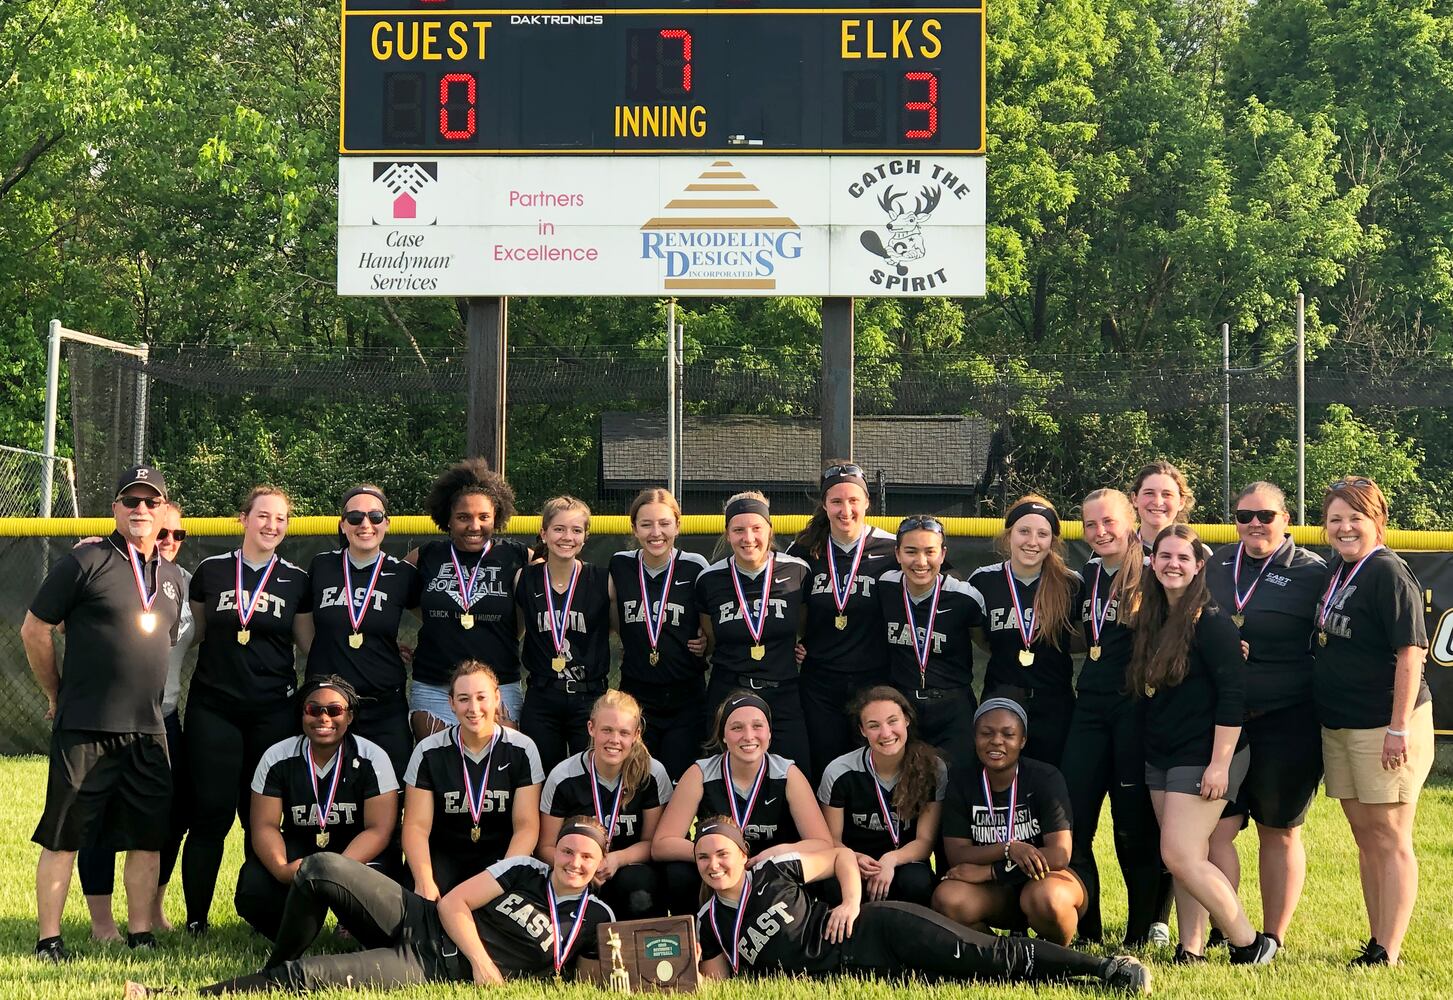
<point x="918" y="774"/>
<point x="636" y="770"/>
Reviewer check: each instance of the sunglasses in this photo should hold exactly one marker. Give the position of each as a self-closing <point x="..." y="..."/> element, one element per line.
<point x="1264" y="516"/>
<point x="356" y="517"/>
<point x="1343" y="484"/>
<point x="176" y="534"/>
<point x="834" y="471"/>
<point x="131" y="503"/>
<point x="317" y="711"/>
<point x="919" y="524"/>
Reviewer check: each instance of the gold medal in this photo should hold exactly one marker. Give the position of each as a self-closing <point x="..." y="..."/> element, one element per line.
<point x="466" y="621"/>
<point x="1094" y="652"/>
<point x="558" y="664"/>
<point x="1026" y="658"/>
<point x="655" y="657"/>
<point x="840" y="622"/>
<point x="474" y="834"/>
<point x="759" y="651"/>
<point x="356" y="640"/>
<point x="1239" y="619"/>
<point x="244" y="636"/>
<point x="322" y="838"/>
<point x="148" y="622"/>
<point x="1149" y="691"/>
<point x="1322" y="638"/>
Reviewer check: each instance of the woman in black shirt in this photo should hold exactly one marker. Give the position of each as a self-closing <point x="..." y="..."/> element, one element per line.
<point x="1188" y="668"/>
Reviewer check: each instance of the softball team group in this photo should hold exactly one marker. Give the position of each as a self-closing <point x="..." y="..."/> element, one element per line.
<point x="798" y="751"/>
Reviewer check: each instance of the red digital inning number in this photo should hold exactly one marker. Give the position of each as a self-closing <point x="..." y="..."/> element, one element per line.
<point x="450" y="104"/>
<point x="685" y="38"/>
<point x="928" y="107"/>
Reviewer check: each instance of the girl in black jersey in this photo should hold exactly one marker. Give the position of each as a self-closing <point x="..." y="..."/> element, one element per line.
<point x="520" y="919"/>
<point x="360" y="594"/>
<point x="1162" y="497"/>
<point x="325" y="791"/>
<point x="1271" y="585"/>
<point x="1188" y="669"/>
<point x="842" y="649"/>
<point x="929" y="619"/>
<point x="1030" y="601"/>
<point x="565" y="607"/>
<point x="471" y="792"/>
<point x="751" y="612"/>
<point x="1105" y="750"/>
<point x="251" y="607"/>
<point x="883" y="801"/>
<point x="1374" y="705"/>
<point x="761" y="919"/>
<point x="618" y="782"/>
<point x="473" y="506"/>
<point x="1013" y="874"/>
<point x="660" y="628"/>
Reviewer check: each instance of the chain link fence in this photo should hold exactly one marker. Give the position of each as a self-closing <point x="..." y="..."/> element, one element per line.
<point x="25" y="478"/>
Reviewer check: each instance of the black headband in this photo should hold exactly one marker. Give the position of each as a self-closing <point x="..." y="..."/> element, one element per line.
<point x="747" y="505"/>
<point x="365" y="491"/>
<point x="584" y="831"/>
<point x="840" y="474"/>
<point x="1030" y="507"/>
<point x="743" y="701"/>
<point x="730" y="831"/>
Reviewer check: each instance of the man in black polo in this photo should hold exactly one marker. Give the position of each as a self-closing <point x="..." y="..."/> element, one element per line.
<point x="110" y="780"/>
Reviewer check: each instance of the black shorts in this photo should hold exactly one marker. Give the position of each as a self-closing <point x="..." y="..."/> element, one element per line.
<point x="107" y="790"/>
<point x="1286" y="767"/>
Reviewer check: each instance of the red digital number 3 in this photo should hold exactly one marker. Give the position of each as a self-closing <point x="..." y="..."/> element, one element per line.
<point x="928" y="107"/>
<point x="448" y="107"/>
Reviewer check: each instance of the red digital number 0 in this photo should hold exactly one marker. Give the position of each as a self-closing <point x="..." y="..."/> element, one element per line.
<point x="685" y="37"/>
<point x="929" y="107"/>
<point x="446" y="105"/>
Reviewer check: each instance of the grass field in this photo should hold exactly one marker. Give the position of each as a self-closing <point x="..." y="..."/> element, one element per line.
<point x="1329" y="927"/>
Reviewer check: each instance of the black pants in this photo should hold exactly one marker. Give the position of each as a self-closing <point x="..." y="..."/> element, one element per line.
<point x="912" y="883"/>
<point x="1105" y="755"/>
<point x="221" y="752"/>
<point x="826" y="695"/>
<point x="894" y="939"/>
<point x="683" y="887"/>
<point x="385" y="721"/>
<point x="789" y="730"/>
<point x="636" y="891"/>
<point x="555" y="719"/>
<point x="97" y="867"/>
<point x="452" y="869"/>
<point x="676" y="723"/>
<point x="260" y="898"/>
<point x="946" y="721"/>
<point x="1049" y="711"/>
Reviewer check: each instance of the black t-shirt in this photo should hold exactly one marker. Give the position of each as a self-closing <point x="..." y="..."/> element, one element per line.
<point x="951" y="652"/>
<point x="437" y="766"/>
<point x="1181" y="720"/>
<point x="783" y="927"/>
<point x="1117" y="641"/>
<point x="567" y="793"/>
<point x="587" y="630"/>
<point x="769" y="822"/>
<point x="494" y="638"/>
<point x="858" y="647"/>
<point x="375" y="668"/>
<point x="1053" y="669"/>
<point x="515" y="925"/>
<point x="717" y="598"/>
<point x="1380" y="613"/>
<point x="847" y="784"/>
<point x="232" y="675"/>
<point x="1280" y="618"/>
<point x="113" y="672"/>
<point x="282" y="773"/>
<point x="1043" y="806"/>
<point x="676" y="665"/>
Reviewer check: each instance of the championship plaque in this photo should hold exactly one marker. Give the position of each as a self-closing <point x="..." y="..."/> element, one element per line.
<point x="657" y="954"/>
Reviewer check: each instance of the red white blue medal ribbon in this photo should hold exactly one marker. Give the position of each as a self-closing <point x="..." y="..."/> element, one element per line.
<point x="921" y="651"/>
<point x="1013" y="802"/>
<point x="561" y="953"/>
<point x="355" y="617"/>
<point x="1025" y="633"/>
<point x="1241" y="602"/>
<point x="1334" y="591"/>
<point x="1098" y="617"/>
<point x="244" y="614"/>
<point x="755" y="629"/>
<point x="466" y="587"/>
<point x="148" y="618"/>
<point x="655" y="624"/>
<point x="840" y="600"/>
<point x="743" y="817"/>
<point x="324" y="808"/>
<point x="883" y="806"/>
<point x="557" y="634"/>
<point x="734" y="949"/>
<point x="615" y="813"/>
<point x="475" y="802"/>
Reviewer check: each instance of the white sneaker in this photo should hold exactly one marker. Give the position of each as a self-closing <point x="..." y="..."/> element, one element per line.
<point x="1159" y="933"/>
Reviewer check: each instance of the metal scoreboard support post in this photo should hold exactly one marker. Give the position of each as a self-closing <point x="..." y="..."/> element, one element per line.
<point x="708" y="150"/>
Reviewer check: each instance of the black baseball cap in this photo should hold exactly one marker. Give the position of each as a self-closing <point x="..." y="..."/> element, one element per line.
<point x="141" y="475"/>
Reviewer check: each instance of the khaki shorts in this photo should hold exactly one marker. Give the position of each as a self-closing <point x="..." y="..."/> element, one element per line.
<point x="1352" y="759"/>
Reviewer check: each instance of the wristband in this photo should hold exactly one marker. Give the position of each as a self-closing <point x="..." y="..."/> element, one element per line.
<point x="1396" y="732"/>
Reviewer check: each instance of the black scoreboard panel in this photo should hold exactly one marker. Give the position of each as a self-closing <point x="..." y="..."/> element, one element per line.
<point x="450" y="76"/>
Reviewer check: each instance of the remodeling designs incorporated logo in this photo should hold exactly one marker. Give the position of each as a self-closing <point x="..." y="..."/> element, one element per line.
<point x="397" y="187"/>
<point x="723" y="233"/>
<point x="910" y="260"/>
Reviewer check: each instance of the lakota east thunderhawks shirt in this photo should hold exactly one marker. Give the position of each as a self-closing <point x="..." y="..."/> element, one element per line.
<point x="375" y="668"/>
<point x="494" y="637"/>
<point x="1099" y="598"/>
<point x="261" y="672"/>
<point x="847" y="784"/>
<point x="951" y="647"/>
<point x="770" y="821"/>
<point x="114" y="672"/>
<point x="282" y="773"/>
<point x="675" y="664"/>
<point x="1052" y="668"/>
<point x="858" y="647"/>
<point x="1043" y="806"/>
<point x="515" y="926"/>
<point x="782" y="929"/>
<point x="1380" y="613"/>
<point x="438" y="767"/>
<point x="567" y="793"/>
<point x="718" y="601"/>
<point x="1280" y="618"/>
<point x="587" y="630"/>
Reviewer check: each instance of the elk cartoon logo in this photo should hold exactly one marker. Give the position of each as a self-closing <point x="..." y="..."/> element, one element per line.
<point x="905" y="229"/>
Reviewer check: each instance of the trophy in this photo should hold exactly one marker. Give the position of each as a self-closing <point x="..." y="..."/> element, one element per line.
<point x="620" y="979"/>
<point x="653" y="954"/>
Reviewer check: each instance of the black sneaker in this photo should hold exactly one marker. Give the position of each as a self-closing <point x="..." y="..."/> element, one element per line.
<point x="52" y="949"/>
<point x="140" y="940"/>
<point x="1126" y="973"/>
<point x="1259" y="952"/>
<point x="198" y="928"/>
<point x="1372" y="954"/>
<point x="1184" y="957"/>
<point x="1216" y="939"/>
